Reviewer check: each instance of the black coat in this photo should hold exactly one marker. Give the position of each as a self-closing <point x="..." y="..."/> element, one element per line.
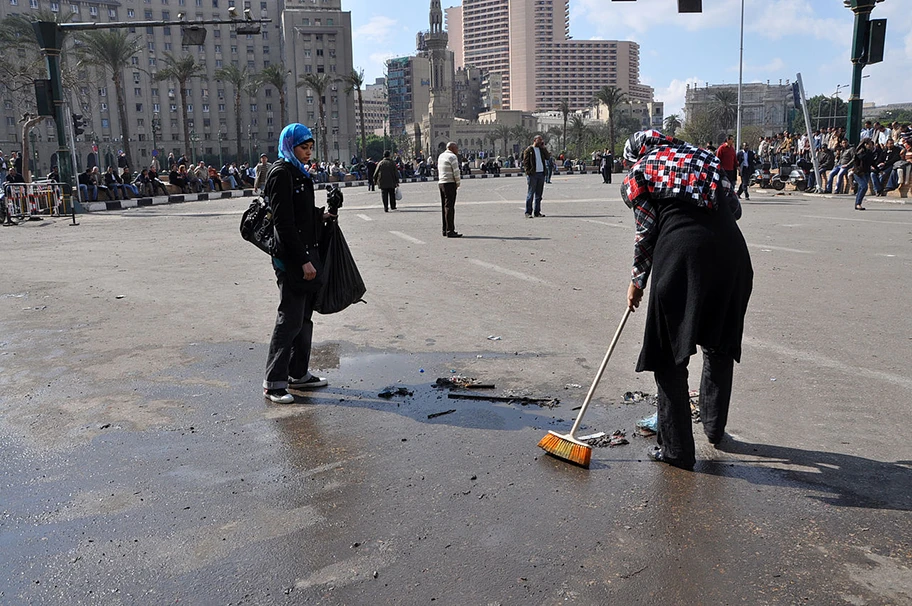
<point x="701" y="282"/>
<point x="386" y="176"/>
<point x="298" y="223"/>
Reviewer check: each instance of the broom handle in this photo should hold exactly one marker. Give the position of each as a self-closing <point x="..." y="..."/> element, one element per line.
<point x="598" y="377"/>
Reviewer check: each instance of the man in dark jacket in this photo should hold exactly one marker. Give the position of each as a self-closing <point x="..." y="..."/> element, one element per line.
<point x="386" y="176"/>
<point x="87" y="186"/>
<point x="747" y="160"/>
<point x="534" y="159"/>
<point x="371" y="169"/>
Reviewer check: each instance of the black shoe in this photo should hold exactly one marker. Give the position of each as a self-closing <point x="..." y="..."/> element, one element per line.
<point x="279" y="396"/>
<point x="657" y="454"/>
<point x="386" y="210"/>
<point x="528" y="215"/>
<point x="539" y="215"/>
<point x="454" y="234"/>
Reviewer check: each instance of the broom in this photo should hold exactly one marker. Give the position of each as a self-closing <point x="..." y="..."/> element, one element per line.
<point x="566" y="446"/>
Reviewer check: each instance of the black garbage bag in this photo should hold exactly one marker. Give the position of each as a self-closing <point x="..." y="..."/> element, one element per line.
<point x="342" y="283"/>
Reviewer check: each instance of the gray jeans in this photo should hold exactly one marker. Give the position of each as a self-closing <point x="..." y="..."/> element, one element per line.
<point x="289" y="348"/>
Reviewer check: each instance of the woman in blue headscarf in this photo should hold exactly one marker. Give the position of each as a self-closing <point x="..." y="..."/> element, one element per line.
<point x="298" y="226"/>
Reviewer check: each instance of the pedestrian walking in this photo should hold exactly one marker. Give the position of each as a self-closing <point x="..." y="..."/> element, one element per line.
<point x="298" y="226"/>
<point x="728" y="160"/>
<point x="534" y="159"/>
<point x="371" y="169"/>
<point x="746" y="160"/>
<point x="448" y="181"/>
<point x="261" y="169"/>
<point x="386" y="176"/>
<point x="687" y="239"/>
<point x="607" y="165"/>
<point x="861" y="170"/>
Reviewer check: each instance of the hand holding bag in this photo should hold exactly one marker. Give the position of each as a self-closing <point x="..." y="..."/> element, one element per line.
<point x="398" y="194"/>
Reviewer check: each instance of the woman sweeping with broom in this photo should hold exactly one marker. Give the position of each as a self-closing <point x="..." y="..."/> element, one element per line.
<point x="687" y="240"/>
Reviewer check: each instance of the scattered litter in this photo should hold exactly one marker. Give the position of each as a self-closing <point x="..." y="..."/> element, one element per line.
<point x="420" y="370"/>
<point x="493" y="338"/>
<point x="650" y="424"/>
<point x="617" y="438"/>
<point x="695" y="405"/>
<point x="391" y="391"/>
<point x="772" y="378"/>
<point x="120" y="296"/>
<point x="440" y="414"/>
<point x="591" y="436"/>
<point x="460" y="381"/>
<point x="573" y="386"/>
<point x="635" y="397"/>
<point x="543" y="402"/>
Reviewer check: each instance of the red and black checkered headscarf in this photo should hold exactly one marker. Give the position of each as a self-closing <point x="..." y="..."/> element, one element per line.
<point x="665" y="167"/>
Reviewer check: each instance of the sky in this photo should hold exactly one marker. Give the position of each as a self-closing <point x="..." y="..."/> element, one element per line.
<point x="781" y="39"/>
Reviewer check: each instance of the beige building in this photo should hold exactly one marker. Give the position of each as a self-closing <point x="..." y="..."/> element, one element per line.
<point x="318" y="37"/>
<point x="527" y="42"/>
<point x="376" y="108"/>
<point x="768" y="106"/>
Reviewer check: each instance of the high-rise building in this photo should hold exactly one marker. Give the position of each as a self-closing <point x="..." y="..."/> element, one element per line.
<point x="317" y="37"/>
<point x="376" y="108"/>
<point x="318" y="41"/>
<point x="527" y="42"/>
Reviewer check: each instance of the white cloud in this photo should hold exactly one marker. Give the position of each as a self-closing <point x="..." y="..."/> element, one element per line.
<point x="673" y="95"/>
<point x="629" y="20"/>
<point x="378" y="29"/>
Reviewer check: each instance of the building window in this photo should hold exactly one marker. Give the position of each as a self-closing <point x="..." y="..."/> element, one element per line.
<point x="73" y="7"/>
<point x="253" y="107"/>
<point x="93" y="10"/>
<point x="103" y="92"/>
<point x="189" y="108"/>
<point x="137" y="92"/>
<point x="173" y="107"/>
<point x="105" y="123"/>
<point x="55" y="7"/>
<point x="152" y="46"/>
<point x="221" y="107"/>
<point x="139" y="107"/>
<point x="156" y="107"/>
<point x="205" y="108"/>
<point x="131" y="13"/>
<point x="151" y="61"/>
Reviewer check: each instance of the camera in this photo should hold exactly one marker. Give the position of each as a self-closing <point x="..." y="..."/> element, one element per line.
<point x="333" y="199"/>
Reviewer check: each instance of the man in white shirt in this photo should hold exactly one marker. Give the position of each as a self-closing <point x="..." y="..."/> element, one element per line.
<point x="448" y="181"/>
<point x="534" y="159"/>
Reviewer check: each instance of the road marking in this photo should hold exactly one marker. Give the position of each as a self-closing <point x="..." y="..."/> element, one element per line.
<point x="621" y="225"/>
<point x="509" y="272"/>
<point x="823" y="361"/>
<point x="766" y="247"/>
<point x="858" y="220"/>
<point x="365" y="217"/>
<point x="407" y="237"/>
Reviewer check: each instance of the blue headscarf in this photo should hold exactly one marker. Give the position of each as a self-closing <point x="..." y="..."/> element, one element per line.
<point x="293" y="135"/>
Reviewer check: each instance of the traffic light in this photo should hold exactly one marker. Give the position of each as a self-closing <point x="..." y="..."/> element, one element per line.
<point x="877" y="38"/>
<point x="78" y="125"/>
<point x="796" y="95"/>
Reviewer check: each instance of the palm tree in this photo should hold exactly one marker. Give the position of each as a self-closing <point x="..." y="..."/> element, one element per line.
<point x="353" y="82"/>
<point x="502" y="131"/>
<point x="672" y="124"/>
<point x="725" y="105"/>
<point x="181" y="69"/>
<point x="523" y="135"/>
<point x="239" y="78"/>
<point x="111" y="49"/>
<point x="612" y="97"/>
<point x="274" y="75"/>
<point x="565" y="111"/>
<point x="492" y="136"/>
<point x="579" y="130"/>
<point x="318" y="83"/>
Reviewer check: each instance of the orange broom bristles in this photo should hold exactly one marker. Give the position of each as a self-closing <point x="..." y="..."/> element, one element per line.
<point x="564" y="448"/>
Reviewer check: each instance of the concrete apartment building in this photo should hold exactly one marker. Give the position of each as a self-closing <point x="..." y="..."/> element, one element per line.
<point x="376" y="108"/>
<point x="318" y="35"/>
<point x="527" y="42"/>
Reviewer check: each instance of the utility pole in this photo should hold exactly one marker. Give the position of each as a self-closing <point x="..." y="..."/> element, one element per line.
<point x="867" y="48"/>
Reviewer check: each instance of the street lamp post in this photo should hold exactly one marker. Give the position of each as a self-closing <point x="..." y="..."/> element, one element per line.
<point x="220" y="148"/>
<point x="832" y="121"/>
<point x="740" y="80"/>
<point x="860" y="41"/>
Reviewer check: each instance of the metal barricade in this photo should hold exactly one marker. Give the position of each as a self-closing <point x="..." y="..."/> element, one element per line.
<point x="25" y="200"/>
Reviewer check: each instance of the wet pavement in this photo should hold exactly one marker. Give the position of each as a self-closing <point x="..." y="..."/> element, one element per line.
<point x="140" y="464"/>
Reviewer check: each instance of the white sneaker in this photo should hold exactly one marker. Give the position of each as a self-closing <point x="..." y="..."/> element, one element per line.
<point x="279" y="396"/>
<point x="307" y="382"/>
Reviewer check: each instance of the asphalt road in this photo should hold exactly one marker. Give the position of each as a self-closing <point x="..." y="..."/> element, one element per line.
<point x="141" y="465"/>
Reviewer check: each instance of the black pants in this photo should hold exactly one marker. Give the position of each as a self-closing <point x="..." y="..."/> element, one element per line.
<point x="606" y="175"/>
<point x="745" y="179"/>
<point x="289" y="348"/>
<point x="448" y="206"/>
<point x="388" y="195"/>
<point x="675" y="424"/>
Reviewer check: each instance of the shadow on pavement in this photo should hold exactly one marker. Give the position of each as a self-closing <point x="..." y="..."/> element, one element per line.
<point x="850" y="481"/>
